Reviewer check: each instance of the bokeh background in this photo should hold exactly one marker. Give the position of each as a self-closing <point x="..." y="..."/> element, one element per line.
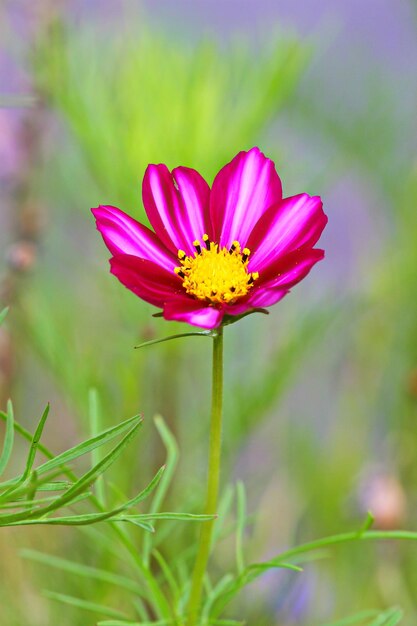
<point x="321" y="395"/>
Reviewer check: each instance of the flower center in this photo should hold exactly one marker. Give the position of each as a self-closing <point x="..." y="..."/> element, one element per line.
<point x="216" y="274"/>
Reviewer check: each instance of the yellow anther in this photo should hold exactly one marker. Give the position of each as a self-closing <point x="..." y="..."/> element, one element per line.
<point x="197" y="246"/>
<point x="214" y="274"/>
<point x="181" y="254"/>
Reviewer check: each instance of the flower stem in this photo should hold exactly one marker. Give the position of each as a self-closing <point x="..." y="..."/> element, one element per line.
<point x="212" y="481"/>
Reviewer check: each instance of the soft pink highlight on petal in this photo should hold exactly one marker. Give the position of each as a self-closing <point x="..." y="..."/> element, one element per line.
<point x="176" y="205"/>
<point x="242" y="191"/>
<point x="195" y="194"/>
<point x="295" y="223"/>
<point x="183" y="309"/>
<point x="146" y="279"/>
<point x="122" y="234"/>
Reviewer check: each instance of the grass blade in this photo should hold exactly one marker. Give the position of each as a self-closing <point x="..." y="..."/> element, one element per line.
<point x="35" y="443"/>
<point x="79" y="486"/>
<point x="152" y="342"/>
<point x="89" y="445"/>
<point x="172" y="458"/>
<point x="85" y="571"/>
<point x="3" y="314"/>
<point x="241" y="523"/>
<point x="95" y="428"/>
<point x="84" y="604"/>
<point x="8" y="438"/>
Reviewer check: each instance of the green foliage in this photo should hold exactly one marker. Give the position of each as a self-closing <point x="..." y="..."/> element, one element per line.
<point x="19" y="494"/>
<point x="391" y="617"/>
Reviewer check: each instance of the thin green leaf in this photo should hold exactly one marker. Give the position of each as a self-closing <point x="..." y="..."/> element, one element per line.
<point x="95" y="428"/>
<point x="183" y="517"/>
<point x="16" y="488"/>
<point x="241" y="523"/>
<point x="78" y="487"/>
<point x="354" y="619"/>
<point x="160" y="622"/>
<point x="25" y="503"/>
<point x="58" y="485"/>
<point x="84" y="604"/>
<point x="152" y="342"/>
<point x="35" y="443"/>
<point x="3" y="314"/>
<point x="370" y="535"/>
<point x="224" y="583"/>
<point x="248" y="575"/>
<point x="8" y="438"/>
<point x="31" y="455"/>
<point x="89" y="445"/>
<point x="392" y="617"/>
<point x="172" y="457"/>
<point x="367" y="524"/>
<point x="169" y="577"/>
<point x="223" y="509"/>
<point x="74" y="520"/>
<point x="138" y="523"/>
<point x="84" y="571"/>
<point x="27" y="435"/>
<point x="225" y="622"/>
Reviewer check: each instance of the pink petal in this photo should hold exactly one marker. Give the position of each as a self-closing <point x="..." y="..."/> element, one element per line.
<point x="266" y="297"/>
<point x="146" y="279"/>
<point x="296" y="222"/>
<point x="277" y="279"/>
<point x="122" y="234"/>
<point x="177" y="205"/>
<point x="184" y="309"/>
<point x="242" y="191"/>
<point x="289" y="269"/>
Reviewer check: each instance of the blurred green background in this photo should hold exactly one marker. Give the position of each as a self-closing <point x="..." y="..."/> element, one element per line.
<point x="321" y="396"/>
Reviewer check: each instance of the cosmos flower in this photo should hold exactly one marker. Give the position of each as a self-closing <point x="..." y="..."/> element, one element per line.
<point x="214" y="253"/>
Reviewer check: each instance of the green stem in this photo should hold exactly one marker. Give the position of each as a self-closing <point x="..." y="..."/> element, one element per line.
<point x="212" y="481"/>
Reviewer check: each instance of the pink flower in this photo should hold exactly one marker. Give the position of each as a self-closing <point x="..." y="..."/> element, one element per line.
<point x="214" y="253"/>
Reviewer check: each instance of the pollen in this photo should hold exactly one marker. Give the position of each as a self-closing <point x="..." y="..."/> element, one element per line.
<point x="214" y="274"/>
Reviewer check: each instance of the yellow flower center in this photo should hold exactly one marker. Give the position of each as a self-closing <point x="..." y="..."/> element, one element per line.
<point x="216" y="274"/>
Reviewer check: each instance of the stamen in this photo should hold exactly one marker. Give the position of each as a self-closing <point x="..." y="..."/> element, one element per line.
<point x="214" y="274"/>
<point x="254" y="276"/>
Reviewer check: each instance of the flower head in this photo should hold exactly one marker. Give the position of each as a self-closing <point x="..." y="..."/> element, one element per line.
<point x="218" y="252"/>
